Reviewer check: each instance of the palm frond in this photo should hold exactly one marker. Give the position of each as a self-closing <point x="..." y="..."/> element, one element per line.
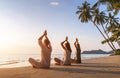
<point x="116" y="11"/>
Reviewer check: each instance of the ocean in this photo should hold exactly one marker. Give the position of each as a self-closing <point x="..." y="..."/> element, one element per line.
<point x="21" y="60"/>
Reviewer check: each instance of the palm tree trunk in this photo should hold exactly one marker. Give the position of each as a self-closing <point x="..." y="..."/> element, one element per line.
<point x="108" y="38"/>
<point x="118" y="43"/>
<point x="103" y="35"/>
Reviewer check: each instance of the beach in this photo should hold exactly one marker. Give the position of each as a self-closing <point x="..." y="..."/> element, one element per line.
<point x="105" y="67"/>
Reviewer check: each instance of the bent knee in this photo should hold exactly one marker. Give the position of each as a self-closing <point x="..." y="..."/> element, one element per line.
<point x="56" y="59"/>
<point x="30" y="59"/>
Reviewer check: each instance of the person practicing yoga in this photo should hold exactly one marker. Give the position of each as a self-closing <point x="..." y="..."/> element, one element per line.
<point x="45" y="53"/>
<point x="67" y="54"/>
<point x="78" y="51"/>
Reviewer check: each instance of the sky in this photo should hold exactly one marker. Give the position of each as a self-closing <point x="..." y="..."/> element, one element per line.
<point x="22" y="22"/>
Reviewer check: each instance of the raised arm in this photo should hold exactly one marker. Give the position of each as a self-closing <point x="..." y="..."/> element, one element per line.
<point x="75" y="44"/>
<point x="62" y="44"/>
<point x="66" y="39"/>
<point x="49" y="45"/>
<point x="41" y="37"/>
<point x="47" y="38"/>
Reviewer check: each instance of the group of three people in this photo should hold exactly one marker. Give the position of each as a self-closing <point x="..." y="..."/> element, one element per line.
<point x="46" y="50"/>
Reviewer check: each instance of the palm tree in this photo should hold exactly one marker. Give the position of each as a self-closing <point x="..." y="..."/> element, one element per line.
<point x="115" y="37"/>
<point x="111" y="5"/>
<point x="114" y="28"/>
<point x="86" y="13"/>
<point x="100" y="19"/>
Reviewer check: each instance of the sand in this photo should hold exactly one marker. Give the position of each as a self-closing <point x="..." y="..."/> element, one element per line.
<point x="106" y="67"/>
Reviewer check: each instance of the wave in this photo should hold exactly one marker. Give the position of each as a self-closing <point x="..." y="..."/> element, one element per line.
<point x="9" y="62"/>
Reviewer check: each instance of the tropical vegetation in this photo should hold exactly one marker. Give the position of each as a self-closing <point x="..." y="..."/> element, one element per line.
<point x="106" y="22"/>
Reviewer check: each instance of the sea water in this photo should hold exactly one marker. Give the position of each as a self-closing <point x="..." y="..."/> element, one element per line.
<point x="21" y="60"/>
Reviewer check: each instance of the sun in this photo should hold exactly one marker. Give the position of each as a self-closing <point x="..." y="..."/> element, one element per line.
<point x="7" y="39"/>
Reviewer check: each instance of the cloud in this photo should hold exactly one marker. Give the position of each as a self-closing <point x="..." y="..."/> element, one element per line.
<point x="54" y="3"/>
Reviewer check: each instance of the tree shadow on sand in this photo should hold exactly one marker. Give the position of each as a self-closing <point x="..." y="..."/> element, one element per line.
<point x="97" y="65"/>
<point x="89" y="68"/>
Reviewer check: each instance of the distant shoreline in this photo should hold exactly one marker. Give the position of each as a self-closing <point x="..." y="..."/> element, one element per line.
<point x="97" y="52"/>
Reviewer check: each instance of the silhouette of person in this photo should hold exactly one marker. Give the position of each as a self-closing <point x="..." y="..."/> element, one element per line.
<point x="46" y="50"/>
<point x="67" y="54"/>
<point x="78" y="51"/>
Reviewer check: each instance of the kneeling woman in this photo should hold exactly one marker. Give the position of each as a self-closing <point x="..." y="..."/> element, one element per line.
<point x="67" y="54"/>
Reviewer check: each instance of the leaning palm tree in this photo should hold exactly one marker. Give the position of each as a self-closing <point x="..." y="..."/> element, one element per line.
<point x="111" y="5"/>
<point x="86" y="14"/>
<point x="114" y="26"/>
<point x="115" y="31"/>
<point x="100" y="19"/>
